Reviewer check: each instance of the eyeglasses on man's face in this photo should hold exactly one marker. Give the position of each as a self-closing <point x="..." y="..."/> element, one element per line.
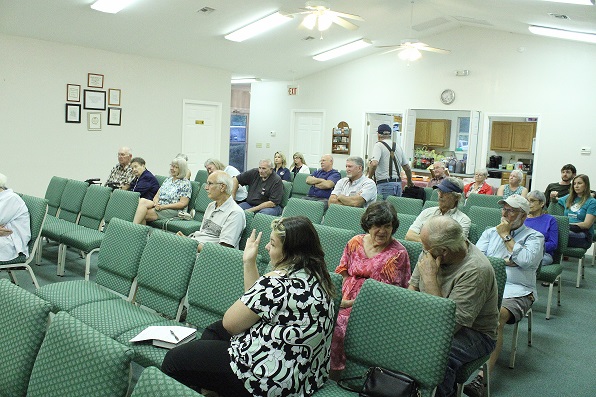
<point x="209" y="184"/>
<point x="509" y="210"/>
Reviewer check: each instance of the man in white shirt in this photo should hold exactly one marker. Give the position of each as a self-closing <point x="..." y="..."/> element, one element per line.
<point x="356" y="189"/>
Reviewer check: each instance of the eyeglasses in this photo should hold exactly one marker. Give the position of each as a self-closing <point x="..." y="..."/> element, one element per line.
<point x="209" y="184"/>
<point x="509" y="210"/>
<point x="534" y="200"/>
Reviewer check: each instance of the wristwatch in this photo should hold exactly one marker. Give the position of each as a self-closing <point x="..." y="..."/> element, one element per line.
<point x="507" y="238"/>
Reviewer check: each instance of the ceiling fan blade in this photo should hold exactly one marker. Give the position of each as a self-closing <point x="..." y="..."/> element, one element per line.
<point x="393" y="50"/>
<point x="389" y="46"/>
<point x="343" y="23"/>
<point x="349" y="16"/>
<point x="433" y="49"/>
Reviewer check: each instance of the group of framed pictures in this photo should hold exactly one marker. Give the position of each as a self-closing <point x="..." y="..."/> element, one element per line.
<point x="95" y="101"/>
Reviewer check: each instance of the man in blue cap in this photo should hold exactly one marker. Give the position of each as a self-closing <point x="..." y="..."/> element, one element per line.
<point x="385" y="162"/>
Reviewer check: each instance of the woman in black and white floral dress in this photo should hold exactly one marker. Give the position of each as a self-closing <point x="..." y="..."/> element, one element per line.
<point x="275" y="340"/>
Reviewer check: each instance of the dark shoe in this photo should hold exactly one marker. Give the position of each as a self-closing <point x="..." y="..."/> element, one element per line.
<point x="545" y="284"/>
<point x="475" y="388"/>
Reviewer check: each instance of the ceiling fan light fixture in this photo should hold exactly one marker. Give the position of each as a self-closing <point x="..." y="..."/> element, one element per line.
<point x="310" y="21"/>
<point x="260" y="26"/>
<point x="245" y="80"/>
<point x="325" y="22"/>
<point x="410" y="54"/>
<point x="343" y="50"/>
<point x="111" y="6"/>
<point x="563" y="34"/>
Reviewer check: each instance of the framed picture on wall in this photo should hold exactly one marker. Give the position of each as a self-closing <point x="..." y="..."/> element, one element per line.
<point x="94" y="99"/>
<point x="94" y="121"/>
<point x="114" y="116"/>
<point x="73" y="93"/>
<point x="73" y="113"/>
<point x="94" y="80"/>
<point x="114" y="97"/>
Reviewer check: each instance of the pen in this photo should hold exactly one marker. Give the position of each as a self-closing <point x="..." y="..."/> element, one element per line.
<point x="172" y="332"/>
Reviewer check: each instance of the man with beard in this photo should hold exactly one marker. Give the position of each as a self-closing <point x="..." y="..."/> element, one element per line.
<point x="556" y="190"/>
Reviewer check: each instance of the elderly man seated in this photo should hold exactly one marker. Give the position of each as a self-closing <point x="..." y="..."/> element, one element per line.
<point x="356" y="189"/>
<point x="323" y="180"/>
<point x="121" y="174"/>
<point x="265" y="189"/>
<point x="224" y="220"/>
<point x="522" y="248"/>
<point x="450" y="194"/>
<point x="15" y="231"/>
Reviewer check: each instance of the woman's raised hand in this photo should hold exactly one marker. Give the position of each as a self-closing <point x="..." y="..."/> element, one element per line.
<point x="252" y="248"/>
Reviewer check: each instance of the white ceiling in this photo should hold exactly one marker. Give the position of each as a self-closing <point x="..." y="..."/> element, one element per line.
<point x="175" y="30"/>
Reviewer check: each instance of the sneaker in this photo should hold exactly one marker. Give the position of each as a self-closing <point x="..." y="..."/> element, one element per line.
<point x="475" y="388"/>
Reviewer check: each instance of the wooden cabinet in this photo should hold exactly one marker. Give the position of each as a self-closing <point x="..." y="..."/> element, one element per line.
<point x="432" y="132"/>
<point x="512" y="136"/>
<point x="342" y="139"/>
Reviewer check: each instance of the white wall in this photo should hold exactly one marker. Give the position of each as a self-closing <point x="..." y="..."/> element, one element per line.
<point x="552" y="79"/>
<point x="35" y="141"/>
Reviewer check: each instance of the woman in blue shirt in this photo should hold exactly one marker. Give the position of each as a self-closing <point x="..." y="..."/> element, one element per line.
<point x="544" y="223"/>
<point x="580" y="208"/>
<point x="279" y="163"/>
<point x="144" y="181"/>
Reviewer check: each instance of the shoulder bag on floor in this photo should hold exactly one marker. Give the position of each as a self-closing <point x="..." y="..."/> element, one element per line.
<point x="380" y="382"/>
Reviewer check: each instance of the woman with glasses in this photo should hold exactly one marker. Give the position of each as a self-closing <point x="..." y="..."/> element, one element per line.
<point x="375" y="255"/>
<point x="544" y="223"/>
<point x="479" y="186"/>
<point x="144" y="181"/>
<point x="580" y="207"/>
<point x="299" y="165"/>
<point x="514" y="186"/>
<point x="274" y="340"/>
<point x="279" y="164"/>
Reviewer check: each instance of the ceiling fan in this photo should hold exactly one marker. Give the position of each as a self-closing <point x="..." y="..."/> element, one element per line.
<point x="319" y="14"/>
<point x="410" y="48"/>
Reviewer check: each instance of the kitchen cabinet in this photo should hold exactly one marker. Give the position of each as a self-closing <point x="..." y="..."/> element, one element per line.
<point x="512" y="136"/>
<point x="432" y="132"/>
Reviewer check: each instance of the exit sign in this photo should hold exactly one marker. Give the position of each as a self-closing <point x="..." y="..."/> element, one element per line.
<point x="292" y="90"/>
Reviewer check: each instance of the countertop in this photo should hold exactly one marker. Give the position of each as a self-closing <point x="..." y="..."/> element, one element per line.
<point x="504" y="170"/>
<point x="421" y="171"/>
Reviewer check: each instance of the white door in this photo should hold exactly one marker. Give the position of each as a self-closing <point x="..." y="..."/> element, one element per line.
<point x="408" y="134"/>
<point x="373" y="122"/>
<point x="201" y="132"/>
<point x="474" y="154"/>
<point x="307" y="137"/>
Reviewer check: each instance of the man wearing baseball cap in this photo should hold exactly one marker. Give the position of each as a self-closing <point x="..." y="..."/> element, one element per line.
<point x="385" y="162"/>
<point x="522" y="248"/>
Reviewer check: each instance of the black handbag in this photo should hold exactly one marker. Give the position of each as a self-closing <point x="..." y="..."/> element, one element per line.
<point x="380" y="382"/>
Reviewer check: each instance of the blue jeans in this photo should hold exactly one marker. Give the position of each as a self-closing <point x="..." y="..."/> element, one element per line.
<point x="579" y="240"/>
<point x="389" y="189"/>
<point x="467" y="345"/>
<point x="275" y="211"/>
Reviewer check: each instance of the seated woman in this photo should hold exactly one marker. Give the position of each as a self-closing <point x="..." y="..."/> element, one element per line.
<point x="580" y="207"/>
<point x="514" y="185"/>
<point x="15" y="229"/>
<point x="274" y="340"/>
<point x="144" y="181"/>
<point x="172" y="197"/>
<point x="375" y="255"/>
<point x="544" y="223"/>
<point x="279" y="164"/>
<point x="299" y="165"/>
<point x="479" y="186"/>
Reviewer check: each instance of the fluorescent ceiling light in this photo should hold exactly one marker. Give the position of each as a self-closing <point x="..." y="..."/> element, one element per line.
<point x="258" y="27"/>
<point x="344" y="49"/>
<point x="246" y="80"/>
<point x="111" y="6"/>
<point x="580" y="2"/>
<point x="563" y="34"/>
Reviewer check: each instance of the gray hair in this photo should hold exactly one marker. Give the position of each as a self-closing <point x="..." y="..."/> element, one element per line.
<point x="182" y="155"/>
<point x="460" y="184"/>
<point x="445" y="232"/>
<point x="182" y="167"/>
<point x="224" y="179"/>
<point x="218" y="164"/>
<point x="268" y="162"/>
<point x="519" y="174"/>
<point x="3" y="180"/>
<point x="482" y="171"/>
<point x="356" y="160"/>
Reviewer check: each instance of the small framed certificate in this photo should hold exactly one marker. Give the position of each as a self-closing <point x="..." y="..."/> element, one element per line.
<point x="94" y="80"/>
<point x="73" y="113"/>
<point x="94" y="99"/>
<point x="114" y="97"/>
<point x="73" y="93"/>
<point x="94" y="121"/>
<point x="114" y="116"/>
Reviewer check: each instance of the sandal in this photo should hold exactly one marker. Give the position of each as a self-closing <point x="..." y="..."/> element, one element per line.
<point x="545" y="284"/>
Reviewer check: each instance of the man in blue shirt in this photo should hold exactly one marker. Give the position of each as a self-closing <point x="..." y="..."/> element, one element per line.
<point x="323" y="180"/>
<point x="522" y="248"/>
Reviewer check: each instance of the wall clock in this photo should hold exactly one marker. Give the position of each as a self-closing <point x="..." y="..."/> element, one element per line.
<point x="447" y="96"/>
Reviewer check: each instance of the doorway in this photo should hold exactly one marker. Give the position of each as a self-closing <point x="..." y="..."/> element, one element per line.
<point x="373" y="120"/>
<point x="306" y="135"/>
<point x="201" y="123"/>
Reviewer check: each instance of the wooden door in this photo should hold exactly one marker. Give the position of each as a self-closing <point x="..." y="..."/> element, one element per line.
<point x="501" y="136"/>
<point x="523" y="133"/>
<point x="439" y="133"/>
<point x="421" y="134"/>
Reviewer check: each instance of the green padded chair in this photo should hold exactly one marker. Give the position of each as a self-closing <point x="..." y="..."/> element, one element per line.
<point x="38" y="208"/>
<point x="333" y="240"/>
<point x="554" y="208"/>
<point x="313" y="210"/>
<point x="435" y="195"/>
<point x="406" y="205"/>
<point x="484" y="218"/>
<point x="54" y="193"/>
<point x="343" y="173"/>
<point x="551" y="274"/>
<point x="420" y="327"/>
<point x="344" y="217"/>
<point x="577" y="253"/>
<point x="154" y="383"/>
<point x="483" y="200"/>
<point x="428" y="192"/>
<point x="117" y="265"/>
<point x="201" y="176"/>
<point x="414" y="249"/>
<point x="474" y="233"/>
<point x="287" y="193"/>
<point x="76" y="360"/>
<point x="162" y="282"/>
<point x="300" y="188"/>
<point x="405" y="221"/>
<point x="429" y="204"/>
<point x="122" y="205"/>
<point x="247" y="230"/>
<point x="23" y="320"/>
<point x="160" y="179"/>
<point x="262" y="224"/>
<point x="187" y="227"/>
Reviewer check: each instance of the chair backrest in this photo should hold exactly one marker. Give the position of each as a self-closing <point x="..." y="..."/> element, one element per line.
<point x="77" y="360"/>
<point x="405" y="221"/>
<point x="563" y="225"/>
<point x="72" y="199"/>
<point x="94" y="206"/>
<point x="300" y="188"/>
<point x="201" y="176"/>
<point x="343" y="173"/>
<point x="54" y="193"/>
<point x="120" y="254"/>
<point x="484" y="217"/>
<point x="344" y="217"/>
<point x="414" y="249"/>
<point x="428" y="192"/>
<point x="247" y="230"/>
<point x="429" y="204"/>
<point x="499" y="266"/>
<point x="160" y="179"/>
<point x="405" y="205"/>
<point x="313" y="210"/>
<point x="419" y="325"/>
<point x="434" y="195"/>
<point x="37" y="208"/>
<point x="483" y="200"/>
<point x="333" y="240"/>
<point x="217" y="282"/>
<point x="337" y="281"/>
<point x="23" y="321"/>
<point x="554" y="208"/>
<point x="195" y="188"/>
<point x="262" y="223"/>
<point x="123" y="205"/>
<point x="164" y="272"/>
<point x="474" y="233"/>
<point x="287" y="193"/>
<point x="154" y="383"/>
<point x="201" y="202"/>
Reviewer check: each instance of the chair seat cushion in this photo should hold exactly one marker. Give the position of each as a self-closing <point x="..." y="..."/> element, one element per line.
<point x="186" y="227"/>
<point x="54" y="228"/>
<point x="19" y="259"/>
<point x="83" y="238"/>
<point x="331" y="389"/>
<point x="67" y="295"/>
<point x="549" y="273"/>
<point x="574" y="252"/>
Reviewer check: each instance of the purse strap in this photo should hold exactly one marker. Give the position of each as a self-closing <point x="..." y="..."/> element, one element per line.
<point x="344" y="385"/>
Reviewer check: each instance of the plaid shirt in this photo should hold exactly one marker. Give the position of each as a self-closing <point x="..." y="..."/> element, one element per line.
<point x="120" y="175"/>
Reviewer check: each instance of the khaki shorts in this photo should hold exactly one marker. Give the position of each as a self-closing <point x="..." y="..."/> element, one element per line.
<point x="518" y="307"/>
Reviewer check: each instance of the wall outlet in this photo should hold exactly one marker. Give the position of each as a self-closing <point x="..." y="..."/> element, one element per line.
<point x="272" y="133"/>
<point x="586" y="150"/>
<point x="268" y="145"/>
<point x="259" y="145"/>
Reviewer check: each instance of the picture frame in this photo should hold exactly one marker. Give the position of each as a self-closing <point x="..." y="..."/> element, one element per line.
<point x="94" y="80"/>
<point x="114" y="116"/>
<point x="73" y="93"/>
<point x="73" y="113"/>
<point x="94" y="100"/>
<point x="114" y="96"/>
<point x="94" y="121"/>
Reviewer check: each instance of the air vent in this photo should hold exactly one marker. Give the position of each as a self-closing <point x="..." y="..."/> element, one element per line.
<point x="307" y="38"/>
<point x="474" y="21"/>
<point x="558" y="16"/>
<point x="206" y="10"/>
<point x="433" y="23"/>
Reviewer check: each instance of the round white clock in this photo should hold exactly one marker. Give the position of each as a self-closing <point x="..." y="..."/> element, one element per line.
<point x="447" y="96"/>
